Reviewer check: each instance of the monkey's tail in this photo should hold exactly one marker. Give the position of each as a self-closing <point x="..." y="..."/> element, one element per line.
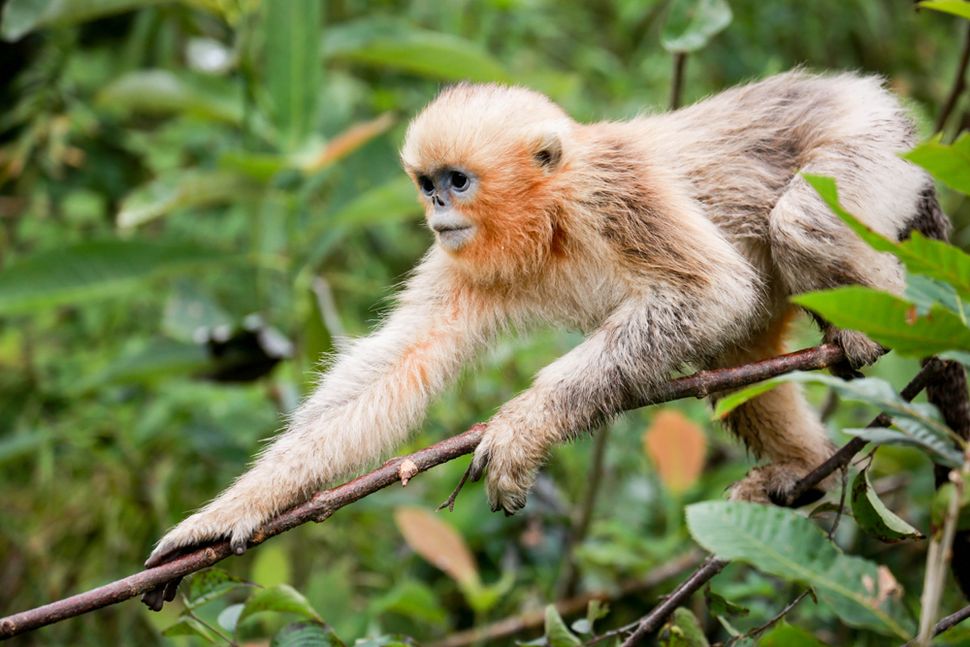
<point x="948" y="390"/>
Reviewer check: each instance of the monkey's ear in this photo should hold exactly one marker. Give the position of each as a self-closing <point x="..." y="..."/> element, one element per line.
<point x="547" y="151"/>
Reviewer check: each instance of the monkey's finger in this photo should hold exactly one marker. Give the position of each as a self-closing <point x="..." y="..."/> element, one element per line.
<point x="171" y="588"/>
<point x="239" y="545"/>
<point x="155" y="598"/>
<point x="477" y="468"/>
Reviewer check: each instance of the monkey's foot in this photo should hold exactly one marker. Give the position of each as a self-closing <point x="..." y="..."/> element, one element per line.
<point x="511" y="468"/>
<point x="859" y="351"/>
<point x="772" y="484"/>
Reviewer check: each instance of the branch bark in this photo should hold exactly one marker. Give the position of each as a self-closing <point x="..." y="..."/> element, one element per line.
<point x="325" y="503"/>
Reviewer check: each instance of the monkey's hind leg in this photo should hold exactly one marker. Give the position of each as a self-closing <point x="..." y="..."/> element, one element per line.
<point x="813" y="250"/>
<point x="778" y="425"/>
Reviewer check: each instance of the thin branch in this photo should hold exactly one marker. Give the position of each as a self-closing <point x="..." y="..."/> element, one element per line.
<point x="653" y="620"/>
<point x="656" y="617"/>
<point x="959" y="84"/>
<point x="951" y="621"/>
<point x="535" y="618"/>
<point x="325" y="503"/>
<point x="847" y="452"/>
<point x="677" y="85"/>
<point x="569" y="579"/>
<point x="757" y="631"/>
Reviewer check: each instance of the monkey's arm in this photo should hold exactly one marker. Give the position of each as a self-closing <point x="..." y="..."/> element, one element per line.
<point x="635" y="349"/>
<point x="376" y="392"/>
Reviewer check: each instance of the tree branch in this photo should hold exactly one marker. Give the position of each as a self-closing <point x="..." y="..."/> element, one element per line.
<point x="325" y="503"/>
<point x="656" y="617"/>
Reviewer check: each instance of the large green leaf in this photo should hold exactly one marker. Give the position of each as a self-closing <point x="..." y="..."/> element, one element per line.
<point x="161" y="92"/>
<point x="556" y="632"/>
<point x="917" y="424"/>
<point x="293" y="66"/>
<point x="781" y="542"/>
<point x="919" y="254"/>
<point x="692" y="23"/>
<point x="92" y="270"/>
<point x="948" y="163"/>
<point x="870" y="390"/>
<point x="148" y="362"/>
<point x="890" y="320"/>
<point x="394" y="44"/>
<point x="956" y="7"/>
<point x="180" y="190"/>
<point x="281" y="598"/>
<point x="21" y="17"/>
<point x="874" y="517"/>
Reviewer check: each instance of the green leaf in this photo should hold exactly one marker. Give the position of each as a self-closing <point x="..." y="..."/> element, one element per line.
<point x="91" y="270"/>
<point x="189" y="626"/>
<point x="780" y="542"/>
<point x="948" y="163"/>
<point x="956" y="7"/>
<point x="786" y="635"/>
<point x="306" y="634"/>
<point x="911" y="434"/>
<point x="926" y="292"/>
<point x="293" y="66"/>
<point x="20" y="17"/>
<point x="682" y="630"/>
<point x="919" y="254"/>
<point x="556" y="632"/>
<point x="229" y="617"/>
<point x="874" y="517"/>
<point x="180" y="190"/>
<point x="188" y="310"/>
<point x="396" y="45"/>
<point x="209" y="585"/>
<point x="281" y="598"/>
<point x="692" y="23"/>
<point x="890" y="320"/>
<point x="161" y="92"/>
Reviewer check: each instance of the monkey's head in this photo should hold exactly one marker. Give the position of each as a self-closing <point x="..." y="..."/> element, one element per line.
<point x="486" y="160"/>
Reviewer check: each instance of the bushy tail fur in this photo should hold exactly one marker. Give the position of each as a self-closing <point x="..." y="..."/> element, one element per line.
<point x="948" y="390"/>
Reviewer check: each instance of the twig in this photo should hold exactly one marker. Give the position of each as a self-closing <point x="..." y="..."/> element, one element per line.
<point x="959" y="84"/>
<point x="677" y="85"/>
<point x="757" y="631"/>
<point x="844" y="455"/>
<point x="569" y="578"/>
<point x="325" y="503"/>
<point x="951" y="620"/>
<point x="655" y="618"/>
<point x="531" y="619"/>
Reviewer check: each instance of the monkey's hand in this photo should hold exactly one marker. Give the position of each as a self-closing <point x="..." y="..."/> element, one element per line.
<point x="512" y="450"/>
<point x="218" y="520"/>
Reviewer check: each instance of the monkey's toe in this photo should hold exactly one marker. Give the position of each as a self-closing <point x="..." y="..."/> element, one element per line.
<point x="772" y="484"/>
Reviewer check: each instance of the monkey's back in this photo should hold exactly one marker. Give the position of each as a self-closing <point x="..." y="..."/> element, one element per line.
<point x="738" y="151"/>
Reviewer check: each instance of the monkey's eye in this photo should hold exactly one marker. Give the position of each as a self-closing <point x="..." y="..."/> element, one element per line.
<point x="427" y="186"/>
<point x="459" y="181"/>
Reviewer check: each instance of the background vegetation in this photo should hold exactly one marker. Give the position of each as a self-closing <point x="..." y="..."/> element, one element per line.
<point x="197" y="197"/>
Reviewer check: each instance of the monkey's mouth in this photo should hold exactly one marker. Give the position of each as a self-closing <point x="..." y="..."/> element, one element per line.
<point x="453" y="238"/>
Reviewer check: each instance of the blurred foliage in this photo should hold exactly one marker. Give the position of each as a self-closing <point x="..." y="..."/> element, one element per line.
<point x="198" y="197"/>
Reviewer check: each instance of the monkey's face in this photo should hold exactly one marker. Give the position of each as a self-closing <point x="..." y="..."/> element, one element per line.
<point x="446" y="191"/>
<point x="485" y="160"/>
